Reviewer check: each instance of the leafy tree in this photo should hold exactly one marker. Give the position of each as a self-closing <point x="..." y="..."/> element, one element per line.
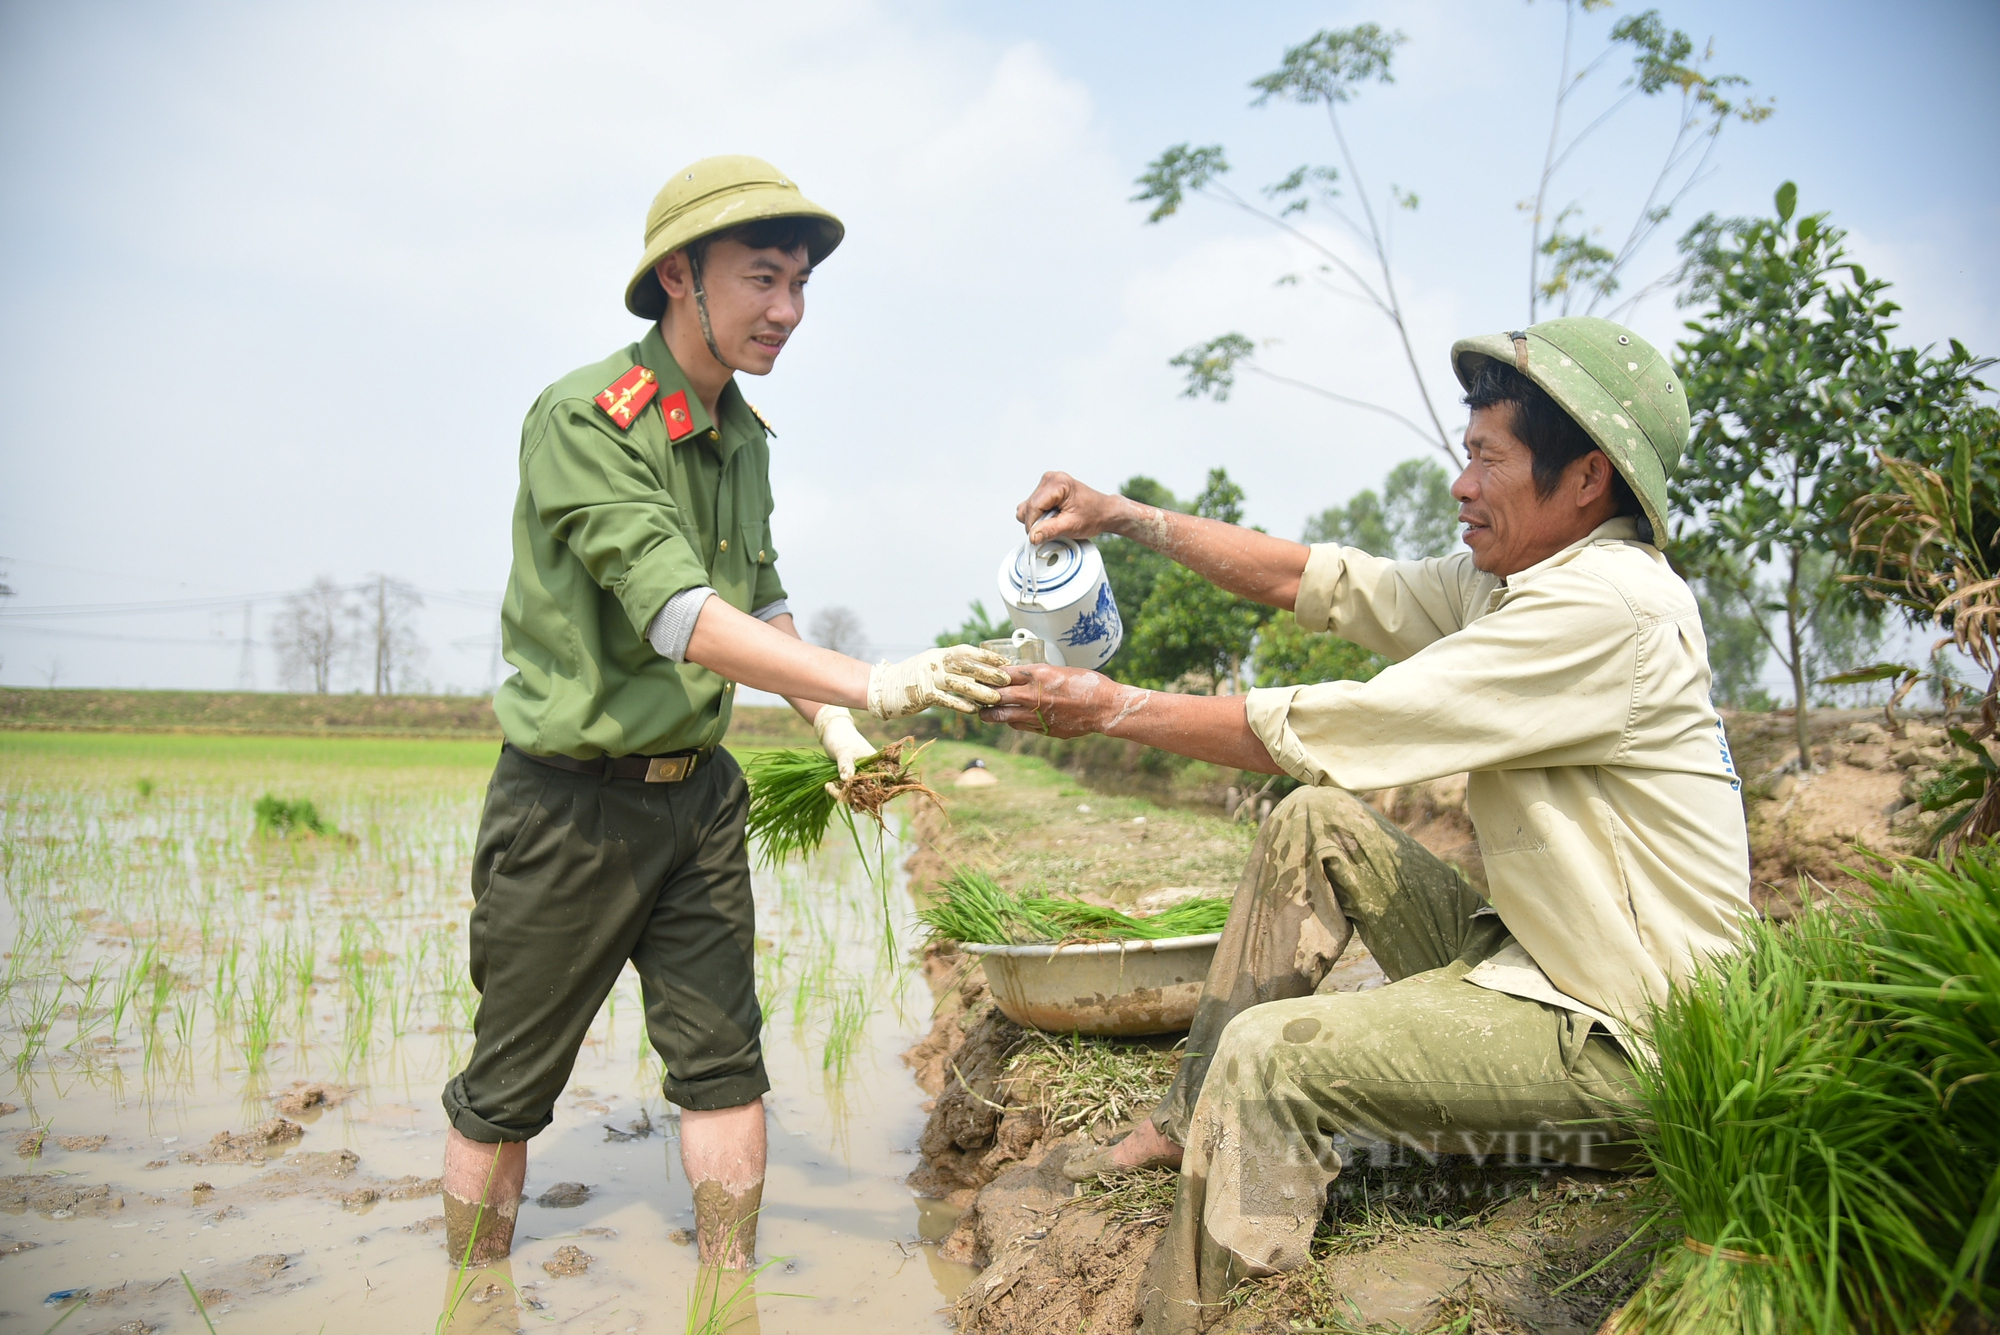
<point x="1413" y="518"/>
<point x="975" y="628"/>
<point x="1928" y="544"/>
<point x="1290" y="656"/>
<point x="1793" y="384"/>
<point x="1663" y="61"/>
<point x="1736" y="647"/>
<point x="1565" y="265"/>
<point x="1132" y="567"/>
<point x="1187" y="628"/>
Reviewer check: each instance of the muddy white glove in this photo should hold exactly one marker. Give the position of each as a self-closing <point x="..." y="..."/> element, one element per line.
<point x="841" y="740"/>
<point x="960" y="678"/>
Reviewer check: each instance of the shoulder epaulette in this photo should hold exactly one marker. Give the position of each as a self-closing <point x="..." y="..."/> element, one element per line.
<point x="627" y="396"/>
<point x="761" y="419"/>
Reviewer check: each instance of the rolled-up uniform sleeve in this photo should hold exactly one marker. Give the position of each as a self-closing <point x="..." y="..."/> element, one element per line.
<point x="594" y="492"/>
<point x="1544" y="679"/>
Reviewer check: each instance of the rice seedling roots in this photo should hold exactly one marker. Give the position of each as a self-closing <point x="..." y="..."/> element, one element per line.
<point x="880" y="780"/>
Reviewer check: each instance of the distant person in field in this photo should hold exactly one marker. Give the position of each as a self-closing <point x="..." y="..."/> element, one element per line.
<point x="644" y="590"/>
<point x="1561" y="661"/>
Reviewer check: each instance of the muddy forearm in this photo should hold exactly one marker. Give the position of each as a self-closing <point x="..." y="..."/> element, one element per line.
<point x="1204" y="727"/>
<point x="1069" y="702"/>
<point x="1254" y="565"/>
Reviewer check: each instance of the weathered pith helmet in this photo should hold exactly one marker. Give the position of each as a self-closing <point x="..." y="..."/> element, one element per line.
<point x="1616" y="386"/>
<point x="708" y="197"/>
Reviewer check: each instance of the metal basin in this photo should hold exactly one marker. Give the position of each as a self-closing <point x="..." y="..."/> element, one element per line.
<point x="1118" y="988"/>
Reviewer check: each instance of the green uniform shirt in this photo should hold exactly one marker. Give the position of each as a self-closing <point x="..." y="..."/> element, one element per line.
<point x="609" y="524"/>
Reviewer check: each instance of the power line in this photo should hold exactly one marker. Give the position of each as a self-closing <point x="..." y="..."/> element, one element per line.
<point x="214" y="642"/>
<point x="482" y="603"/>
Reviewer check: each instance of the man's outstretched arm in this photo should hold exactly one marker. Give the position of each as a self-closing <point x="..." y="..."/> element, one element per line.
<point x="1243" y="561"/>
<point x="1069" y="702"/>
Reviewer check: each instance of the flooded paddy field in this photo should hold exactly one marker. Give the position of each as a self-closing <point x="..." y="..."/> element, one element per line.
<point x="223" y="1050"/>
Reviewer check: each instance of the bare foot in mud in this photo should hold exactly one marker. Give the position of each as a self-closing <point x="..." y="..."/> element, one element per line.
<point x="1146" y="1147"/>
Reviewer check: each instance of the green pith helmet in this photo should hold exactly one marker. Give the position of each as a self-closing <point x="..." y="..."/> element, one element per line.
<point x="1615" y="385"/>
<point x="708" y="197"/>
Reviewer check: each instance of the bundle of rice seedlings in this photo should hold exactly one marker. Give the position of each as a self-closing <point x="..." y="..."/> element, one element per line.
<point x="277" y="815"/>
<point x="1800" y="1119"/>
<point x="1935" y="962"/>
<point x="973" y="907"/>
<point x="794" y="795"/>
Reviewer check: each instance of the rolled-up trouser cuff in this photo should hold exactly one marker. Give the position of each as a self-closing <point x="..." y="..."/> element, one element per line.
<point x="474" y="1127"/>
<point x="728" y="1091"/>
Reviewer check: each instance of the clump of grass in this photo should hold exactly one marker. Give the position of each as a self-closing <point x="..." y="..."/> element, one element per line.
<point x="974" y="907"/>
<point x="277" y="815"/>
<point x="1822" y="1117"/>
<point x="1141" y="1196"/>
<point x="795" y="793"/>
<point x="1079" y="1082"/>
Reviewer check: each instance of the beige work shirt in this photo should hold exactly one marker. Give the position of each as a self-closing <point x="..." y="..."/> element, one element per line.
<point x="1577" y="695"/>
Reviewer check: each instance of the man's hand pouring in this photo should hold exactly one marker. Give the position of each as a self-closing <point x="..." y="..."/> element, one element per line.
<point x="1062" y="507"/>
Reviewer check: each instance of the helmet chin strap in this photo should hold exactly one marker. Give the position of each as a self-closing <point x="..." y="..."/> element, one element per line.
<point x="701" y="309"/>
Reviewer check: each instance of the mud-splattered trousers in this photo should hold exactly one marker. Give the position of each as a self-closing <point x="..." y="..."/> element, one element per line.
<point x="1278" y="1079"/>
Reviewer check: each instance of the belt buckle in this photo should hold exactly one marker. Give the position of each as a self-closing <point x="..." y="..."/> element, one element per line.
<point x="668" y="769"/>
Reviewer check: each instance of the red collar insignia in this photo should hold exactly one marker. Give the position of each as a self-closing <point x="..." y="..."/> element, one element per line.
<point x="675" y="408"/>
<point x="627" y="396"/>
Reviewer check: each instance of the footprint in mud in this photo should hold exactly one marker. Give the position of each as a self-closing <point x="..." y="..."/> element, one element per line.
<point x="563" y="1196"/>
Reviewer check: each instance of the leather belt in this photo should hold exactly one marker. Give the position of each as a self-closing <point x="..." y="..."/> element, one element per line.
<point x="670" y="768"/>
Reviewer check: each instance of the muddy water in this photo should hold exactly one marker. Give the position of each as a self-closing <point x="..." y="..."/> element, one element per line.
<point x="338" y="1230"/>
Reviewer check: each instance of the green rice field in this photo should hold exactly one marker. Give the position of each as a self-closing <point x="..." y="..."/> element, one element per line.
<point x="172" y="973"/>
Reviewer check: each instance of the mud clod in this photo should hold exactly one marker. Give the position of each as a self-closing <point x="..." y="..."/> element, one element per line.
<point x="568" y="1260"/>
<point x="563" y="1196"/>
<point x="250" y="1146"/>
<point x="83" y="1144"/>
<point x="966" y="1119"/>
<point x="307" y="1096"/>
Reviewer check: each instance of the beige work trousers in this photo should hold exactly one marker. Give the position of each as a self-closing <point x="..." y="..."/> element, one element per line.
<point x="1277" y="1078"/>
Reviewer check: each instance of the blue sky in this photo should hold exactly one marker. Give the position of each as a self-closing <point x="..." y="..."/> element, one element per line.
<point x="278" y="283"/>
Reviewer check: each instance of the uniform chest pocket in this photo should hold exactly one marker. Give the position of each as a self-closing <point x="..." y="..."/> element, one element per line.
<point x="734" y="572"/>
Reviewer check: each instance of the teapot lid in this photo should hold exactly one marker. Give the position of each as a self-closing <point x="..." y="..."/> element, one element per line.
<point x="1042" y="572"/>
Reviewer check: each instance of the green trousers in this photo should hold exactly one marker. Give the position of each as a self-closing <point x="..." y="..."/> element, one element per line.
<point x="575" y="874"/>
<point x="1278" y="1079"/>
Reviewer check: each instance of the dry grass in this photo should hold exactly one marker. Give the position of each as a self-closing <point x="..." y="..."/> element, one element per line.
<point x="1089" y="1084"/>
<point x="1142" y="1196"/>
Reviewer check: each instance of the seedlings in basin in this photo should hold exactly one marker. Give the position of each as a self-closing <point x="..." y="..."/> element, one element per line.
<point x="973" y="907"/>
